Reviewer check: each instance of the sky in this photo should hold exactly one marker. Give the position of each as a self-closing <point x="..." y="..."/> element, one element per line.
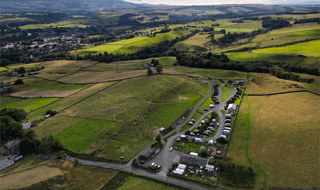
<point x="215" y="2"/>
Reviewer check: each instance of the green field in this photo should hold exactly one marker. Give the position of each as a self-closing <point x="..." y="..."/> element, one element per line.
<point x="29" y="104"/>
<point x="226" y="92"/>
<point x="190" y="100"/>
<point x="25" y="162"/>
<point x="301" y="31"/>
<point x="196" y="116"/>
<point x="132" y="48"/>
<point x="113" y="46"/>
<point x="306" y="48"/>
<point x="165" y="115"/>
<point x="214" y="73"/>
<point x="83" y="133"/>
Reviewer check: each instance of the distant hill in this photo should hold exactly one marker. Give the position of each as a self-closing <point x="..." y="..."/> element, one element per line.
<point x="65" y="5"/>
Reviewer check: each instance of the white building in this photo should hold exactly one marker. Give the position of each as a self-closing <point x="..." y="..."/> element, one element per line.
<point x="232" y="108"/>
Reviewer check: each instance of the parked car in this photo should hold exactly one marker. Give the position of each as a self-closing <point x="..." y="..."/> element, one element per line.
<point x="227" y="132"/>
<point x="152" y="165"/>
<point x="223" y="136"/>
<point x="141" y="161"/>
<point x="227" y="128"/>
<point x="192" y="134"/>
<point x="159" y="166"/>
<point x="170" y="149"/>
<point x="155" y="166"/>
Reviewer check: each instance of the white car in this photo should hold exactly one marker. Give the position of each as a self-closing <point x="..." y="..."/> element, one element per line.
<point x="170" y="149"/>
<point x="223" y="136"/>
<point x="152" y="165"/>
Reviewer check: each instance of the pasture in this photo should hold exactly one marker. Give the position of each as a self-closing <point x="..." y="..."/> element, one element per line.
<point x="76" y="177"/>
<point x="213" y="73"/>
<point x="80" y="135"/>
<point x="287" y="159"/>
<point x="190" y="100"/>
<point x="25" y="162"/>
<point x="29" y="104"/>
<point x="67" y="63"/>
<point x="28" y="177"/>
<point x="68" y="101"/>
<point x="45" y="93"/>
<point x="56" y="72"/>
<point x="195" y="43"/>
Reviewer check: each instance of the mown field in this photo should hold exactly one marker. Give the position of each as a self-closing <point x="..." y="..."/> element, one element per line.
<point x="278" y="136"/>
<point x="226" y="92"/>
<point x="29" y="104"/>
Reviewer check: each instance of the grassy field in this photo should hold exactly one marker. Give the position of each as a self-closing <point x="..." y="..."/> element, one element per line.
<point x="132" y="48"/>
<point x="68" y="101"/>
<point x="131" y="64"/>
<point x="190" y="100"/>
<point x="165" y="115"/>
<point x="29" y="104"/>
<point x="56" y="72"/>
<point x="226" y="92"/>
<point x="194" y="43"/>
<point x="55" y="125"/>
<point x="67" y="63"/>
<point x="305" y="48"/>
<point x="76" y="177"/>
<point x="42" y="84"/>
<point x="126" y="181"/>
<point x="113" y="46"/>
<point x="288" y="159"/>
<point x="214" y="73"/>
<point x="196" y="116"/>
<point x="28" y="177"/>
<point x="26" y="162"/>
<point x="205" y="104"/>
<point x="83" y="133"/>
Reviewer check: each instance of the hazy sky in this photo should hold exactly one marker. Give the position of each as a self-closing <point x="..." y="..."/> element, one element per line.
<point x="214" y="2"/>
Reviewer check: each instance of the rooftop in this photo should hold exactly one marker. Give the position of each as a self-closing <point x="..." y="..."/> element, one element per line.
<point x="193" y="160"/>
<point x="148" y="152"/>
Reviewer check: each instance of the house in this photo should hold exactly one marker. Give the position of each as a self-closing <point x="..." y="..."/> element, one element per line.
<point x="162" y="129"/>
<point x="147" y="153"/>
<point x="26" y="125"/>
<point x="191" y="160"/>
<point x="6" y="163"/>
<point x="193" y="154"/>
<point x="10" y="147"/>
<point x="232" y="108"/>
<point x="197" y="140"/>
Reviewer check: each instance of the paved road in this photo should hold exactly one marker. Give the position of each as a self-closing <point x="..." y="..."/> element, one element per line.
<point x="166" y="158"/>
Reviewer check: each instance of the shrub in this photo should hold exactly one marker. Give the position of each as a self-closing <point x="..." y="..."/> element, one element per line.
<point x="187" y="132"/>
<point x="222" y="140"/>
<point x="18" y="81"/>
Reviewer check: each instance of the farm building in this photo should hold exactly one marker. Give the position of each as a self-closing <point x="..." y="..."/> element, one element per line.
<point x="26" y="125"/>
<point x="10" y="147"/>
<point x="232" y="108"/>
<point x="6" y="163"/>
<point x="147" y="153"/>
<point x="191" y="160"/>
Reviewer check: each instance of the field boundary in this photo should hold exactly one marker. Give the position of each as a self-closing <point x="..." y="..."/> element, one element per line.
<point x="277" y="93"/>
<point x="109" y="180"/>
<point x="27" y="168"/>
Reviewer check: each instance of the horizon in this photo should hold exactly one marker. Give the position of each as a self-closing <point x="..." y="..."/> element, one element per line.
<point x="223" y="2"/>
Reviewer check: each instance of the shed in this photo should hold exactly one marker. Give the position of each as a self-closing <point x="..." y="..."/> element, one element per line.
<point x="147" y="153"/>
<point x="232" y="107"/>
<point x="191" y="160"/>
<point x="162" y="129"/>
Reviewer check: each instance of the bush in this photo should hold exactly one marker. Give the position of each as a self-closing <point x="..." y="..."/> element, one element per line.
<point x="18" y="82"/>
<point x="52" y="113"/>
<point x="222" y="140"/>
<point x="187" y="132"/>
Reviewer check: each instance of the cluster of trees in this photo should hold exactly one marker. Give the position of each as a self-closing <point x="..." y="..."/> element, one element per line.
<point x="284" y="74"/>
<point x="275" y="23"/>
<point x="307" y="20"/>
<point x="232" y="37"/>
<point x="236" y="175"/>
<point x="10" y="124"/>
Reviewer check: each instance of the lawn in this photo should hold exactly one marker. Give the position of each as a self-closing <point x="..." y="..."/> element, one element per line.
<point x="25" y="162"/>
<point x="244" y="56"/>
<point x="28" y="177"/>
<point x="205" y="104"/>
<point x="83" y="133"/>
<point x="125" y="181"/>
<point x="226" y="92"/>
<point x="291" y="154"/>
<point x="76" y="177"/>
<point x="29" y="104"/>
<point x="190" y="100"/>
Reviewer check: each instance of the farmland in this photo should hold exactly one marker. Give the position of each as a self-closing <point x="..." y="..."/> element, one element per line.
<point x="28" y="177"/>
<point x="29" y="104"/>
<point x="26" y="162"/>
<point x="75" y="177"/>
